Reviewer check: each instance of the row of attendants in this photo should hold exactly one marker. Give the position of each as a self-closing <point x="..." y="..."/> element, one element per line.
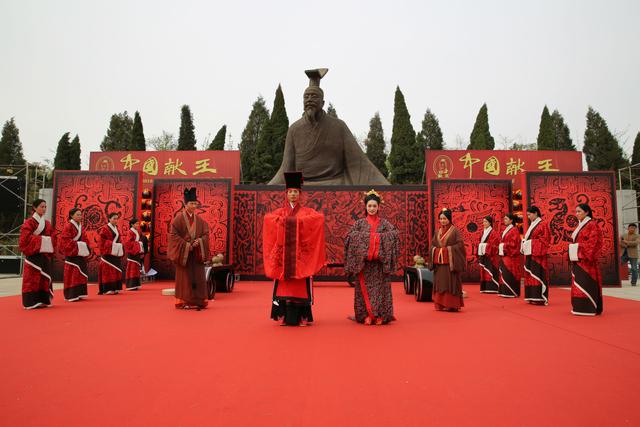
<point x="38" y="245"/>
<point x="500" y="256"/>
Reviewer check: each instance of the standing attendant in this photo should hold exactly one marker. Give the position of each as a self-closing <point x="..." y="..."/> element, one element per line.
<point x="189" y="251"/>
<point x="293" y="242"/>
<point x="629" y="242"/>
<point x="510" y="259"/>
<point x="488" y="258"/>
<point x="448" y="259"/>
<point x="535" y="247"/>
<point x="37" y="245"/>
<point x="111" y="252"/>
<point x="134" y="248"/>
<point x="371" y="251"/>
<point x="584" y="252"/>
<point x="74" y="246"/>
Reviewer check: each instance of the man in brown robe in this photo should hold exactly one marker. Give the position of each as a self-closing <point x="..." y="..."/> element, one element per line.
<point x="189" y="251"/>
<point x="323" y="148"/>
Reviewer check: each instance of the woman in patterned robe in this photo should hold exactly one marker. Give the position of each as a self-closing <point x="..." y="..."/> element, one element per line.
<point x="488" y="258"/>
<point x="586" y="282"/>
<point x="510" y="259"/>
<point x="111" y="252"/>
<point x="371" y="254"/>
<point x="37" y="244"/>
<point x="534" y="247"/>
<point x="448" y="258"/>
<point x="134" y="248"/>
<point x="73" y="245"/>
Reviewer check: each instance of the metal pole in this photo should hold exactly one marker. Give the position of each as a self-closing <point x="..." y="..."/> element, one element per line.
<point x="630" y="179"/>
<point x="26" y="196"/>
<point x="620" y="179"/>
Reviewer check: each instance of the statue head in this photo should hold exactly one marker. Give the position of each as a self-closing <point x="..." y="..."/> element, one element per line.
<point x="313" y="98"/>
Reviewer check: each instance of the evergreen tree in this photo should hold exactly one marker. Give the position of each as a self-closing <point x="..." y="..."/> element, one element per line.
<point x="118" y="135"/>
<point x="138" y="143"/>
<point x="602" y="150"/>
<point x="331" y="111"/>
<point x="251" y="135"/>
<point x="219" y="139"/>
<point x="270" y="148"/>
<point x="73" y="158"/>
<point x="187" y="136"/>
<point x="562" y="136"/>
<point x="635" y="157"/>
<point x="481" y="138"/>
<point x="406" y="159"/>
<point x="63" y="153"/>
<point x="430" y="137"/>
<point x="10" y="145"/>
<point x="546" y="132"/>
<point x="375" y="144"/>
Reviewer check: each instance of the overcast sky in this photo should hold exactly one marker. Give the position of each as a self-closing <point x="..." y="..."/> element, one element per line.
<point x="66" y="66"/>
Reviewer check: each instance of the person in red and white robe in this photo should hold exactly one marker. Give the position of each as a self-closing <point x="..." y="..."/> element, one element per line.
<point x="586" y="282"/>
<point x="111" y="253"/>
<point x="134" y="248"/>
<point x="37" y="244"/>
<point x="488" y="258"/>
<point x="73" y="245"/>
<point x="510" y="259"/>
<point x="534" y="248"/>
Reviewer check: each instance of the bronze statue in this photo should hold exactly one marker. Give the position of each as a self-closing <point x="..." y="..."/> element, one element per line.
<point x="323" y="147"/>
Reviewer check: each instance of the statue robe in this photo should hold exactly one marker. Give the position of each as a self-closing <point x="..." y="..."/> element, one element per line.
<point x="326" y="153"/>
<point x="191" y="283"/>
<point x="449" y="260"/>
<point x="37" y="285"/>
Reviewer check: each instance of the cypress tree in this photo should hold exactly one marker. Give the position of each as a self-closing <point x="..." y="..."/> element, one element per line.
<point x="73" y="158"/>
<point x="481" y="138"/>
<point x="375" y="144"/>
<point x="138" y="142"/>
<point x="602" y="150"/>
<point x="270" y="148"/>
<point x="10" y="145"/>
<point x="251" y="135"/>
<point x="187" y="136"/>
<point x="406" y="159"/>
<point x="561" y="133"/>
<point x="63" y="153"/>
<point x="331" y="111"/>
<point x="118" y="135"/>
<point x="430" y="137"/>
<point x="546" y="133"/>
<point x="635" y="157"/>
<point x="219" y="139"/>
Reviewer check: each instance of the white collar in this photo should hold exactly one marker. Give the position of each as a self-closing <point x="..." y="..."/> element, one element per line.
<point x="41" y="224"/>
<point x="506" y="230"/>
<point x="114" y="229"/>
<point x="37" y="217"/>
<point x="485" y="234"/>
<point x="531" y="227"/>
<point x="78" y="226"/>
<point x="579" y="227"/>
<point x="293" y="205"/>
<point x="136" y="233"/>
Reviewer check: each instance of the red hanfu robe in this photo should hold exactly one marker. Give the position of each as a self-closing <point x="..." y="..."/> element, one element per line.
<point x="134" y="248"/>
<point x="75" y="264"/>
<point x="510" y="263"/>
<point x="37" y="244"/>
<point x="191" y="282"/>
<point x="536" y="270"/>
<point x="371" y="252"/>
<point x="586" y="282"/>
<point x="110" y="268"/>
<point x="449" y="261"/>
<point x="294" y="250"/>
<point x="489" y="263"/>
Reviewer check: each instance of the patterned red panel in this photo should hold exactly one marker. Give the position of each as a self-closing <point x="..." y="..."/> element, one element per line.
<point x="557" y="194"/>
<point x="405" y="207"/>
<point x="470" y="201"/>
<point x="97" y="194"/>
<point x="215" y="198"/>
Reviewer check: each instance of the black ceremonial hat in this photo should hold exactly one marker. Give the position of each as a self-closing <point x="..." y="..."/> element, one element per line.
<point x="293" y="180"/>
<point x="190" y="195"/>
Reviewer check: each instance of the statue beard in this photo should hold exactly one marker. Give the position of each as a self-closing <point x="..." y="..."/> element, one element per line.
<point x="312" y="114"/>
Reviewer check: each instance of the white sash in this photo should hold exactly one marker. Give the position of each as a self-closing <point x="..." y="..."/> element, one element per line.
<point x="582" y="223"/>
<point x="41" y="224"/>
<point x="485" y="234"/>
<point x="533" y="225"/>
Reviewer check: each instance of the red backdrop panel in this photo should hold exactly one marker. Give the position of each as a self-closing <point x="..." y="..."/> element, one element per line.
<point x="97" y="194"/>
<point x="557" y="195"/>
<point x="470" y="201"/>
<point x="215" y="199"/>
<point x="405" y="207"/>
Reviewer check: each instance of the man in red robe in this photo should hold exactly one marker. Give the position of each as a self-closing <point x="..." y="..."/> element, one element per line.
<point x="189" y="251"/>
<point x="294" y="250"/>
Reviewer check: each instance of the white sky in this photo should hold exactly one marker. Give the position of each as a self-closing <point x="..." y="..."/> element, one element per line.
<point x="69" y="65"/>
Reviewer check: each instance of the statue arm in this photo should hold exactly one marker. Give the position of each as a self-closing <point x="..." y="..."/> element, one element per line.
<point x="288" y="160"/>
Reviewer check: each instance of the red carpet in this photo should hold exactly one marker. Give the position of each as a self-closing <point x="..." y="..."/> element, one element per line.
<point x="132" y="359"/>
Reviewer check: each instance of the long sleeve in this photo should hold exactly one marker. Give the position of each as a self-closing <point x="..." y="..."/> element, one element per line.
<point x="131" y="246"/>
<point x="105" y="241"/>
<point x="28" y="243"/>
<point x="590" y="242"/>
<point x="178" y="247"/>
<point x="512" y="243"/>
<point x="68" y="246"/>
<point x="540" y="240"/>
<point x="457" y="253"/>
<point x="356" y="247"/>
